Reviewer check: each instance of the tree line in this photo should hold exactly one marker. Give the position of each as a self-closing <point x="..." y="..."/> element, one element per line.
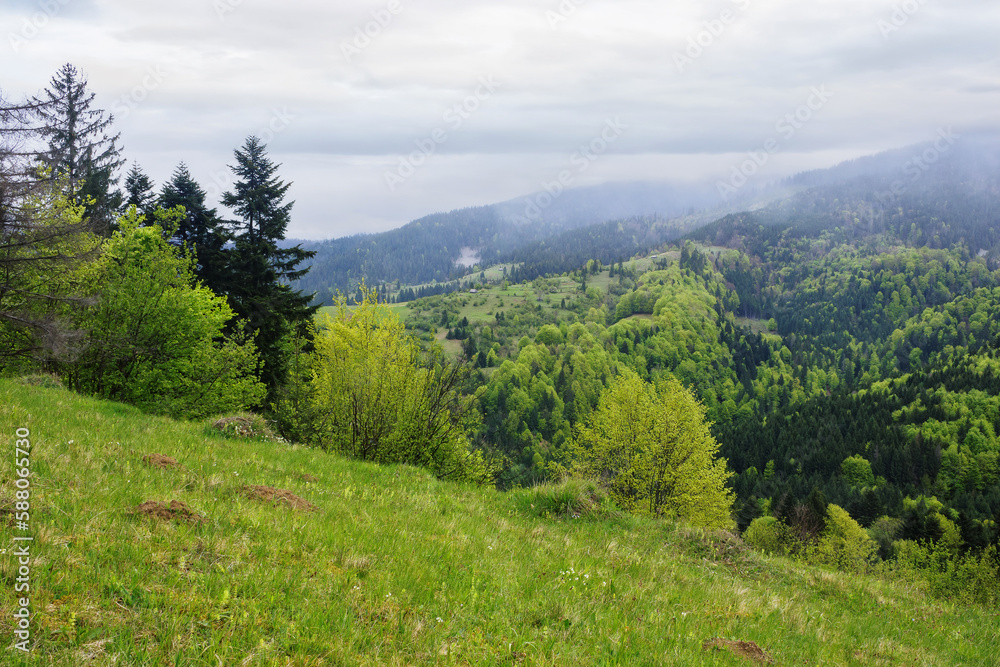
<point x="139" y="295"/>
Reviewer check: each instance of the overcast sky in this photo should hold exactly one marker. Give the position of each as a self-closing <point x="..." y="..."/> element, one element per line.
<point x="506" y="95"/>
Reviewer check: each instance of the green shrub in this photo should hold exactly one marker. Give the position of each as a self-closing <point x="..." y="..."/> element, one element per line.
<point x="43" y="380"/>
<point x="767" y="534"/>
<point x="973" y="578"/>
<point x="245" y="426"/>
<point x="572" y="498"/>
<point x="844" y="544"/>
<point x="373" y="397"/>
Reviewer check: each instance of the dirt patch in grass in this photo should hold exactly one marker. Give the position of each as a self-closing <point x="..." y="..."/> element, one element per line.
<point x="311" y="479"/>
<point x="274" y="495"/>
<point x="160" y="461"/>
<point x="746" y="650"/>
<point x="175" y="511"/>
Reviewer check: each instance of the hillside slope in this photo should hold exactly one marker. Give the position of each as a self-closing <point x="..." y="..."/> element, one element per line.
<point x="393" y="567"/>
<point x="427" y="249"/>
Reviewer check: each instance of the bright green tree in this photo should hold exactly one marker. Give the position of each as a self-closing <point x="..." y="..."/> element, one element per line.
<point x="844" y="544"/>
<point x="857" y="471"/>
<point x="651" y="445"/>
<point x="372" y="398"/>
<point x="156" y="336"/>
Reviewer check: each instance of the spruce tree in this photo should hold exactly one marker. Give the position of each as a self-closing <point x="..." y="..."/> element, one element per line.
<point x="43" y="243"/>
<point x="81" y="150"/>
<point x="201" y="230"/>
<point x="262" y="294"/>
<point x="139" y="193"/>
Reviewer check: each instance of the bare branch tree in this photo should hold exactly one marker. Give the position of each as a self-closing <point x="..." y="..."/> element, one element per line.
<point x="43" y="239"/>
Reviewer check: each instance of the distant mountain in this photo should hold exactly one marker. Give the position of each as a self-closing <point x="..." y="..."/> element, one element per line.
<point x="429" y="249"/>
<point x="933" y="194"/>
<point x="937" y="194"/>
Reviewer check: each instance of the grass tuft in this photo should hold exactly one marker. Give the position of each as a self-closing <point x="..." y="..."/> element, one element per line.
<point x="571" y="498"/>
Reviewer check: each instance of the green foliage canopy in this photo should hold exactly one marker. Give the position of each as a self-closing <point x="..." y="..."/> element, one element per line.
<point x="373" y="399"/>
<point x="155" y="337"/>
<point x="651" y="445"/>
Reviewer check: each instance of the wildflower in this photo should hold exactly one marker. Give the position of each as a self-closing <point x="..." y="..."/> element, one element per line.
<point x="440" y="620"/>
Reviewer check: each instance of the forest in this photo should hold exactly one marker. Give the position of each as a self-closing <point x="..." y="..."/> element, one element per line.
<point x="819" y="374"/>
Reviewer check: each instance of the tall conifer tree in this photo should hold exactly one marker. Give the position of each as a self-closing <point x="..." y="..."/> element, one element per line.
<point x="81" y="149"/>
<point x="201" y="229"/>
<point x="139" y="192"/>
<point x="263" y="270"/>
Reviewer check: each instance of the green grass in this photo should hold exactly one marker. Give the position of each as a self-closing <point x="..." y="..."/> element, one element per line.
<point x="400" y="309"/>
<point x="397" y="568"/>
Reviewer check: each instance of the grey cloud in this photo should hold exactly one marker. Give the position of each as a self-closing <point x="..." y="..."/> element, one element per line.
<point x="226" y="74"/>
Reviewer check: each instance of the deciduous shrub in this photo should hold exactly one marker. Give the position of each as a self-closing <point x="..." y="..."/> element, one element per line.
<point x="767" y="534"/>
<point x="155" y="336"/>
<point x="651" y="446"/>
<point x="373" y="397"/>
<point x="844" y="544"/>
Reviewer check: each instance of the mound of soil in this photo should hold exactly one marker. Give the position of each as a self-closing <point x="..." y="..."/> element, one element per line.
<point x="159" y="461"/>
<point x="278" y="496"/>
<point x="241" y="426"/>
<point x="747" y="650"/>
<point x="175" y="511"/>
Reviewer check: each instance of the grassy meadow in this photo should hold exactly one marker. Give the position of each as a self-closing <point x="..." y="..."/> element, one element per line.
<point x="274" y="554"/>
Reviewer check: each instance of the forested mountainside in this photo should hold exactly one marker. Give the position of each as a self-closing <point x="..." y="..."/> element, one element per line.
<point x="426" y="250"/>
<point x="830" y="333"/>
<point x="945" y="189"/>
